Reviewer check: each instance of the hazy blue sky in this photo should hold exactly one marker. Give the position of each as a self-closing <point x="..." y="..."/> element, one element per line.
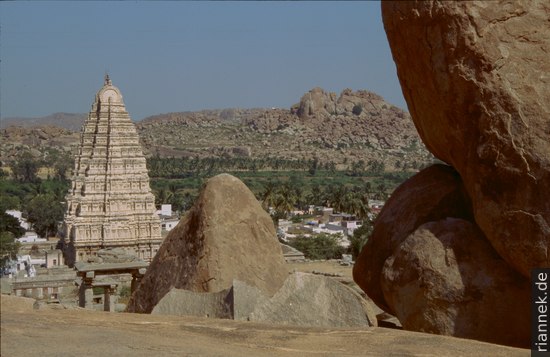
<point x="178" y="56"/>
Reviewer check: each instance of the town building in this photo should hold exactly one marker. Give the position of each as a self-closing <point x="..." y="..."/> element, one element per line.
<point x="110" y="203"/>
<point x="19" y="215"/>
<point x="168" y="219"/>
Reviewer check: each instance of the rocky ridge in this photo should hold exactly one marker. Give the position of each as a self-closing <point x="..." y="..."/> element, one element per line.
<point x="35" y="138"/>
<point x="351" y="126"/>
<point x="69" y="121"/>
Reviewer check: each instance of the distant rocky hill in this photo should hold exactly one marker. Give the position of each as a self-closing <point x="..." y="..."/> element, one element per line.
<point x="342" y="128"/>
<point x="68" y="121"/>
<point x="35" y="138"/>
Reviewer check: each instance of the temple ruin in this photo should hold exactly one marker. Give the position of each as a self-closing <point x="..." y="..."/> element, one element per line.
<point x="110" y="203"/>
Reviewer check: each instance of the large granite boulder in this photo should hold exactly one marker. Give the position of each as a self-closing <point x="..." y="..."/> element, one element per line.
<point x="446" y="278"/>
<point x="433" y="194"/>
<point x="225" y="236"/>
<point x="317" y="102"/>
<point x="475" y="78"/>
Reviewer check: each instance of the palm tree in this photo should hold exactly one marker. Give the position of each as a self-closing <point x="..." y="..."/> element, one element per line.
<point x="162" y="195"/>
<point x="337" y="197"/>
<point x="299" y="196"/>
<point x="358" y="206"/>
<point x="381" y="191"/>
<point x="316" y="196"/>
<point x="286" y="199"/>
<point x="268" y="195"/>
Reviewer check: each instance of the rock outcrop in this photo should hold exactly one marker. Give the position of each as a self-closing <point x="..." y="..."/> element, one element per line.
<point x="475" y="77"/>
<point x="446" y="278"/>
<point x="452" y="253"/>
<point x="332" y="127"/>
<point x="431" y="195"/>
<point x="225" y="236"/>
<point x="321" y="104"/>
<point x="429" y="264"/>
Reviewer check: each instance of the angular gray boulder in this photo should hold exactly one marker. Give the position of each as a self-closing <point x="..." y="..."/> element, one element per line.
<point x="314" y="300"/>
<point x="235" y="303"/>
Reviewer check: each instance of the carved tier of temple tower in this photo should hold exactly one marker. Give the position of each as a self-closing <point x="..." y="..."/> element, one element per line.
<point x="110" y="204"/>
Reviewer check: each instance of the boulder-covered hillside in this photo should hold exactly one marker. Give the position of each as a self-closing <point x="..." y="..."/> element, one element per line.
<point x="344" y="128"/>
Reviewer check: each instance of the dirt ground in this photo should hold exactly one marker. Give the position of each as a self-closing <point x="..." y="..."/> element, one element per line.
<point x="328" y="267"/>
<point x="55" y="331"/>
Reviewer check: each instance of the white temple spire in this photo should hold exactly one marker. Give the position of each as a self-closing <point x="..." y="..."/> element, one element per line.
<point x="110" y="203"/>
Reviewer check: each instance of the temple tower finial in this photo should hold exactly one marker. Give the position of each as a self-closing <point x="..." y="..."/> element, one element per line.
<point x="107" y="80"/>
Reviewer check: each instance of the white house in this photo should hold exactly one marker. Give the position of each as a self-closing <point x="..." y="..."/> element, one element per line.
<point x="165" y="210"/>
<point x="23" y="263"/>
<point x="31" y="237"/>
<point x="167" y="224"/>
<point x="54" y="258"/>
<point x="167" y="220"/>
<point x="19" y="215"/>
<point x="350" y="227"/>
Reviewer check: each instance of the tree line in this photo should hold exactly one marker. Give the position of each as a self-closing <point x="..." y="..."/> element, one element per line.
<point x="25" y="166"/>
<point x="177" y="181"/>
<point x="284" y="197"/>
<point x="195" y="166"/>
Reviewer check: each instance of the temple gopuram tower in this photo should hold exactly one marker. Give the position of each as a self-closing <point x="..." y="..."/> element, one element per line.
<point x="110" y="203"/>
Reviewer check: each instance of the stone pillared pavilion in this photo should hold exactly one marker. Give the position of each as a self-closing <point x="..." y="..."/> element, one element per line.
<point x="110" y="203"/>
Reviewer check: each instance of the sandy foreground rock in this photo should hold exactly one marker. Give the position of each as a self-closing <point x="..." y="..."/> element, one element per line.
<point x="226" y="235"/>
<point x="79" y="332"/>
<point x="475" y="78"/>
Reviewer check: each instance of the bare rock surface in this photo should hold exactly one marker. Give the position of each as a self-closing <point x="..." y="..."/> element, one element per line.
<point x="314" y="300"/>
<point x="81" y="332"/>
<point x="303" y="300"/>
<point x="475" y="78"/>
<point x="225" y="236"/>
<point x="179" y="302"/>
<point x="431" y="195"/>
<point x="446" y="278"/>
<point x="235" y="303"/>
